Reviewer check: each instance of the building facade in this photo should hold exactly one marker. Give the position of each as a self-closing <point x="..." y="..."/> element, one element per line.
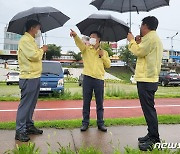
<point x="11" y="44"/>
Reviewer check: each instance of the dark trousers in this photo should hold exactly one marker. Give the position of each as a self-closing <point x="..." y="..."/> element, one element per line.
<point x="146" y="92"/>
<point x="29" y="95"/>
<point x="89" y="85"/>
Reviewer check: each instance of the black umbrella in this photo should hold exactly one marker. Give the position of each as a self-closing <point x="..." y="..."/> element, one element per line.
<point x="129" y="5"/>
<point x="111" y="28"/>
<point x="49" y="18"/>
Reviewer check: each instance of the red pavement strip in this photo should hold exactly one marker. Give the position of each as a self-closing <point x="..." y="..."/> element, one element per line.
<point x="72" y="109"/>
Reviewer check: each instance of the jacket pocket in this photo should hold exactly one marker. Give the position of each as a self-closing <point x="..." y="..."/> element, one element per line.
<point x="140" y="65"/>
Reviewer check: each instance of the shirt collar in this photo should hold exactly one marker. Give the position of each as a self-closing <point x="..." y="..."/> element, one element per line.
<point x="28" y="35"/>
<point x="91" y="47"/>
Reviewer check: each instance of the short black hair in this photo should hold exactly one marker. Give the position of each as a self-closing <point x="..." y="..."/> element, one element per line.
<point x="31" y="23"/>
<point x="97" y="33"/>
<point x="151" y="22"/>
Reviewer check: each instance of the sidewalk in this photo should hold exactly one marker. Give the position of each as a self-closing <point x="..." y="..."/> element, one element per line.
<point x="119" y="136"/>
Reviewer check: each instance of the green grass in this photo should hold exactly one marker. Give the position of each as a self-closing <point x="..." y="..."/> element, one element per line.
<point x="129" y="91"/>
<point x="70" y="124"/>
<point x="74" y="92"/>
<point x="30" y="148"/>
<point x="129" y="150"/>
<point x="122" y="73"/>
<point x="11" y="90"/>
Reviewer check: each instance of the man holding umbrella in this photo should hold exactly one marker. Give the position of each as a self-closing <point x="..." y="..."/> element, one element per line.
<point x="149" y="50"/>
<point x="95" y="60"/>
<point x="30" y="64"/>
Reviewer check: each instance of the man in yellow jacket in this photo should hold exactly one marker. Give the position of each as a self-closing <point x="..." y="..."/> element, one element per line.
<point x="30" y="64"/>
<point x="149" y="50"/>
<point x="95" y="60"/>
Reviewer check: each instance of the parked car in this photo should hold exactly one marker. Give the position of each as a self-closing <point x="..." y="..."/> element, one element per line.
<point x="52" y="78"/>
<point x="12" y="62"/>
<point x="12" y="77"/>
<point x="2" y="61"/>
<point x="169" y="78"/>
<point x="132" y="79"/>
<point x="80" y="81"/>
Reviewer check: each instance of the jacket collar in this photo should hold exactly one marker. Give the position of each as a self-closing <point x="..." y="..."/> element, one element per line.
<point x="28" y="35"/>
<point x="91" y="47"/>
<point x="151" y="32"/>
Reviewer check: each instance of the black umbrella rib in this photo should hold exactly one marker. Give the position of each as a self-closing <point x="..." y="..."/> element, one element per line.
<point x="56" y="20"/>
<point x="39" y="21"/>
<point x="122" y="5"/>
<point x="114" y="35"/>
<point x="146" y="5"/>
<point x="104" y="26"/>
<point x="157" y="7"/>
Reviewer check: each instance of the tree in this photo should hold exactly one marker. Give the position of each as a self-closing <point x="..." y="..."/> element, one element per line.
<point x="127" y="56"/>
<point x="106" y="46"/>
<point x="76" y="56"/>
<point x="53" y="51"/>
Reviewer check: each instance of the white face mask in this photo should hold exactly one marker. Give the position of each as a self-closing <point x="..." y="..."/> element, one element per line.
<point x="92" y="41"/>
<point x="38" y="34"/>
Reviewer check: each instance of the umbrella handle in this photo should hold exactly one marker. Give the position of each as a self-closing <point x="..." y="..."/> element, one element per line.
<point x="43" y="44"/>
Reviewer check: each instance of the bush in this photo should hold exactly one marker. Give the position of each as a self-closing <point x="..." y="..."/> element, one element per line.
<point x="67" y="95"/>
<point x="113" y="81"/>
<point x="70" y="80"/>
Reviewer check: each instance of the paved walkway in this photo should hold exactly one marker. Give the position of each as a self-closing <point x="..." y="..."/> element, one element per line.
<point x="120" y="136"/>
<point x="61" y="110"/>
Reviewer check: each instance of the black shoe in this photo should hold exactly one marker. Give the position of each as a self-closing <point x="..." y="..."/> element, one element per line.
<point x="143" y="139"/>
<point x="102" y="128"/>
<point x="22" y="137"/>
<point x="84" y="128"/>
<point x="33" y="130"/>
<point x="148" y="145"/>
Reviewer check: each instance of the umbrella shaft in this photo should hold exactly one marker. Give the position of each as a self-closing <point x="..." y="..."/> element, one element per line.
<point x="130" y="14"/>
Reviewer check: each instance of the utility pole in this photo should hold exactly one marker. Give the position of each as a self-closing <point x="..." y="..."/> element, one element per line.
<point x="172" y="37"/>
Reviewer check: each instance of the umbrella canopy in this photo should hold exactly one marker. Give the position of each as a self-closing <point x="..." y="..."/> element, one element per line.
<point x="49" y="18"/>
<point x="111" y="28"/>
<point x="129" y="5"/>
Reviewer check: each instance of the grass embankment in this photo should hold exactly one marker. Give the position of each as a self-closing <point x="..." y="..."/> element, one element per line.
<point x="70" y="124"/>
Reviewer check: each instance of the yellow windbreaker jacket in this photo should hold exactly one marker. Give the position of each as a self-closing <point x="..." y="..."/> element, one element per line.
<point x="149" y="56"/>
<point x="93" y="65"/>
<point x="29" y="57"/>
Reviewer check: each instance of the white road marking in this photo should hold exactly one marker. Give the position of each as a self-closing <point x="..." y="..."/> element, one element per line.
<point x="93" y="108"/>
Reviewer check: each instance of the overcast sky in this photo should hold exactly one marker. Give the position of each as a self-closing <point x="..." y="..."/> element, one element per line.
<point x="77" y="10"/>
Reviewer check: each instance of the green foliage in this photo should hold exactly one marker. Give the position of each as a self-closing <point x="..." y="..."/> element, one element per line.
<point x="89" y="150"/>
<point x="113" y="81"/>
<point x="126" y="55"/>
<point x="24" y="149"/>
<point x="31" y="149"/>
<point x="53" y="51"/>
<point x="66" y="95"/>
<point x="61" y="150"/>
<point x="76" y="56"/>
<point x="106" y="46"/>
<point x="123" y="73"/>
<point x="70" y="80"/>
<point x="162" y="119"/>
<point x="129" y="150"/>
<point x="120" y="94"/>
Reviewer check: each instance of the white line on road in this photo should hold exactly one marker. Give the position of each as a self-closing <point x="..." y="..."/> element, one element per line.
<point x="93" y="108"/>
